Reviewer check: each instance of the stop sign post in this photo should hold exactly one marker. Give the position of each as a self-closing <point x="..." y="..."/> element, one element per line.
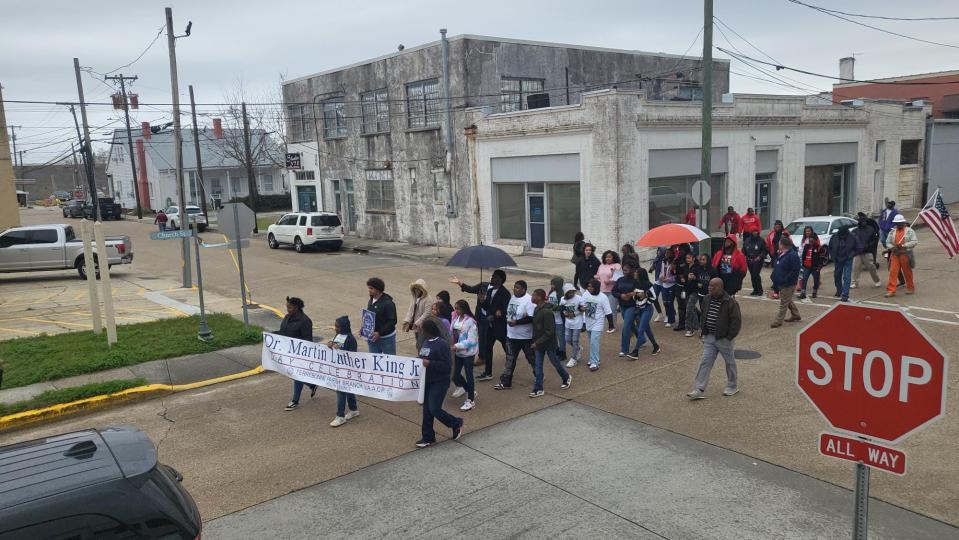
<point x="237" y="222"/>
<point x="873" y="374"/>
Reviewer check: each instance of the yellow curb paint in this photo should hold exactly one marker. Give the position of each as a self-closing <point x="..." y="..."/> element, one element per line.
<point x="277" y="312"/>
<point x="53" y="411"/>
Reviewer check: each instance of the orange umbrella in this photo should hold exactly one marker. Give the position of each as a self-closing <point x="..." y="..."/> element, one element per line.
<point x="671" y="233"/>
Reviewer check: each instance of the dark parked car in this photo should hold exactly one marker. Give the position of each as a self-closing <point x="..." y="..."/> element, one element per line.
<point x="74" y="209"/>
<point x="96" y="484"/>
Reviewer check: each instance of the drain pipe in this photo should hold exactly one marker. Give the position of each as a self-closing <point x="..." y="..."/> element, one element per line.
<point x="448" y="165"/>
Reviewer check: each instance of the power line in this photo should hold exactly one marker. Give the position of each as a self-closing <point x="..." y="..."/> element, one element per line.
<point x="137" y="59"/>
<point x="875" y="16"/>
<point x="890" y="32"/>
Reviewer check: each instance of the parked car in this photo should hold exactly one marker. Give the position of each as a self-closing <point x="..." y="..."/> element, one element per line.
<point x="823" y="226"/>
<point x="62" y="195"/>
<point x="74" y="209"/>
<point x="195" y="214"/>
<point x="55" y="247"/>
<point x="304" y="230"/>
<point x="109" y="209"/>
<point x="91" y="484"/>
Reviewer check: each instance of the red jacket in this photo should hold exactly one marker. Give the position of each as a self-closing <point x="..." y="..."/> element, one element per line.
<point x="733" y="221"/>
<point x="739" y="260"/>
<point x="769" y="242"/>
<point x="750" y="223"/>
<point x="690" y="218"/>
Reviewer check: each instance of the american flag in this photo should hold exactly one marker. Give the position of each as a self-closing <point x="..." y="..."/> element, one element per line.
<point x="937" y="217"/>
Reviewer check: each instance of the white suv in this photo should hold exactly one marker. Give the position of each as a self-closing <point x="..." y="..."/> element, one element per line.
<point x="195" y="214"/>
<point x="306" y="229"/>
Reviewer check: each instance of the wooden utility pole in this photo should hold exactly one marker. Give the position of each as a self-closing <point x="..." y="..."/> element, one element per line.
<point x="178" y="151"/>
<point x="199" y="162"/>
<point x="87" y="148"/>
<point x="707" y="162"/>
<point x="76" y="171"/>
<point x="250" y="172"/>
<point x="126" y="116"/>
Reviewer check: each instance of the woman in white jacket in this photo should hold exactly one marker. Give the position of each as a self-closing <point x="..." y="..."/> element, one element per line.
<point x="465" y="346"/>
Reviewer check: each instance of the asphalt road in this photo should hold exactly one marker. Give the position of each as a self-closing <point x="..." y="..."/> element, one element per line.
<point x="237" y="447"/>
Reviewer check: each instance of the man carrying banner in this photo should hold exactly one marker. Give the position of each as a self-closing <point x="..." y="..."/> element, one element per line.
<point x="435" y="354"/>
<point x="297" y="325"/>
<point x="383" y="339"/>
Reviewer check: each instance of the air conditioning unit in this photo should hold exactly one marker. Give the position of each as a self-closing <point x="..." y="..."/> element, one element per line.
<point x="852" y="102"/>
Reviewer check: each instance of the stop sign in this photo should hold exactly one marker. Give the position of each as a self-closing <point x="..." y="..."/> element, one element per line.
<point x="871" y="371"/>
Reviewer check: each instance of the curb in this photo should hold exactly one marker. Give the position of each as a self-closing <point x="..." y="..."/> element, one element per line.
<point x="21" y="419"/>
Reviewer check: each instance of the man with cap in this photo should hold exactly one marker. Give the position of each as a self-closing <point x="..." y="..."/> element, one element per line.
<point x="900" y="242"/>
<point x="492" y="298"/>
<point x="888" y="214"/>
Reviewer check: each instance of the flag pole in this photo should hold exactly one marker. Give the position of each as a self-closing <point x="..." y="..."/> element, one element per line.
<point x="934" y="193"/>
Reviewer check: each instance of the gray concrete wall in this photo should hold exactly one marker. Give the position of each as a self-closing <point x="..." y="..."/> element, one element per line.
<point x="943" y="166"/>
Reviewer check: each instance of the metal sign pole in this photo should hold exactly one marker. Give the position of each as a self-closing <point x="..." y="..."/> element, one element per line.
<point x="860" y="521"/>
<point x="239" y="263"/>
<point x="205" y="334"/>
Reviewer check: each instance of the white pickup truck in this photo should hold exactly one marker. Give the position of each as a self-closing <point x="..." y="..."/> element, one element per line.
<point x="55" y="247"/>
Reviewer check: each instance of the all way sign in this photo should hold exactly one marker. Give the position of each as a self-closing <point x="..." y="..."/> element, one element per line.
<point x="873" y="455"/>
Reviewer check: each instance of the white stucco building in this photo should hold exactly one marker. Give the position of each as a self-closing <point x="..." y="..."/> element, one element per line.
<point x="617" y="164"/>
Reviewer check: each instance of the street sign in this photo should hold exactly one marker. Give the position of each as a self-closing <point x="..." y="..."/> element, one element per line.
<point x="171" y="235"/>
<point x="240" y="222"/>
<point x="873" y="455"/>
<point x="871" y="372"/>
<point x="701" y="192"/>
<point x="293" y="162"/>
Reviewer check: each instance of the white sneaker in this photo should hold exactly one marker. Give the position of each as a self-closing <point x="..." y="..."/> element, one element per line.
<point x="696" y="394"/>
<point x="351" y="414"/>
<point x="572" y="363"/>
<point x="467" y="405"/>
<point x="730" y="391"/>
<point x="610" y="331"/>
<point x="806" y="300"/>
<point x="667" y="325"/>
<point x="622" y="354"/>
<point x="877" y="284"/>
<point x="853" y="285"/>
<point x="459" y="391"/>
<point x="338" y="421"/>
<point x="658" y="317"/>
<point x="689" y="333"/>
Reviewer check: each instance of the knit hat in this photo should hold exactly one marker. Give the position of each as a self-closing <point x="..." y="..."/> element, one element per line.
<point x="568" y="287"/>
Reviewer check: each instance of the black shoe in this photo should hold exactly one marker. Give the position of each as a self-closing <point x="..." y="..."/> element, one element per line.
<point x="679" y="328"/>
<point x="424" y="443"/>
<point x="313" y="391"/>
<point x="633" y="355"/>
<point x="458" y="430"/>
<point x="501" y="386"/>
<point x="656" y="349"/>
<point x="802" y="296"/>
<point x="484" y="377"/>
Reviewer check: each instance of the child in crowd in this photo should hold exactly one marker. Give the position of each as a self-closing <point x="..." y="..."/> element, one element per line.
<point x="574" y="321"/>
<point x="345" y="341"/>
<point x="595" y="308"/>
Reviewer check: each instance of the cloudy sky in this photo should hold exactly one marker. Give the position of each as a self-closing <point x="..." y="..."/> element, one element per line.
<point x="255" y="44"/>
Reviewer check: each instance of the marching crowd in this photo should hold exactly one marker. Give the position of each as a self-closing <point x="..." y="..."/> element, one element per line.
<point x="683" y="289"/>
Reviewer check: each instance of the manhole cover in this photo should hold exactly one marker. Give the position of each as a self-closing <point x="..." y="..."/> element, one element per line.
<point x="742" y="354"/>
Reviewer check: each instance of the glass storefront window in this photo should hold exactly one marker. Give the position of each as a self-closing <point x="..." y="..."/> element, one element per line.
<point x="511" y="211"/>
<point x="563" y="210"/>
<point x="670" y="199"/>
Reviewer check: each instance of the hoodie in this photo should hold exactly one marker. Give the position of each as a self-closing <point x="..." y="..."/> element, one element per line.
<point x="345" y="338"/>
<point x="555" y="299"/>
<point x="843" y="246"/>
<point x="385" y="311"/>
<point x="586" y="270"/>
<point x="755" y="249"/>
<point x="419" y="306"/>
<point x="730" y="267"/>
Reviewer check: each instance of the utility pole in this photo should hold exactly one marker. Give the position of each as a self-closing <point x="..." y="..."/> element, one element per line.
<point x="13" y="139"/>
<point x="88" y="149"/>
<point x="76" y="171"/>
<point x="83" y="155"/>
<point x="248" y="155"/>
<point x="126" y="115"/>
<point x="178" y="151"/>
<point x="199" y="166"/>
<point x="707" y="163"/>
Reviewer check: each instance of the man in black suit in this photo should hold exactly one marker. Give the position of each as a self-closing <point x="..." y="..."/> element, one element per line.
<point x="491" y="301"/>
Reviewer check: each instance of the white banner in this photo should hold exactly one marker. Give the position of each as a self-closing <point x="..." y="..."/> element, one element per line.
<point x="381" y="376"/>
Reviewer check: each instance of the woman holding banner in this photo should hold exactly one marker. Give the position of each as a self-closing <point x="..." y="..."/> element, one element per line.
<point x="345" y="341"/>
<point x="297" y="325"/>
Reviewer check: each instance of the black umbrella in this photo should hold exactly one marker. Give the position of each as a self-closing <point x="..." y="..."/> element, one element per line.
<point x="481" y="257"/>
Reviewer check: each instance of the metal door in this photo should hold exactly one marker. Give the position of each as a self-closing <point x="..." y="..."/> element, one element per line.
<point x="306" y="198"/>
<point x="537" y="222"/>
<point x="350" y="206"/>
<point x="836" y="198"/>
<point x="337" y="200"/>
<point x="45" y="249"/>
<point x="764" y="195"/>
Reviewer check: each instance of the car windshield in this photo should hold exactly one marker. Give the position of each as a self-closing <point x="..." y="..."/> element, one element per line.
<point x="325" y="221"/>
<point x="796" y="227"/>
<point x="192" y="210"/>
<point x="172" y="210"/>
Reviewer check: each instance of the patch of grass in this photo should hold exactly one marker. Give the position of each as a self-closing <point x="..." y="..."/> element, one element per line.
<point x="51" y="357"/>
<point x="66" y="395"/>
<point x="263" y="223"/>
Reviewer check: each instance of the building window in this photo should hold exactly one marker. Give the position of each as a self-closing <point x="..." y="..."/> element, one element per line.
<point x="379" y="189"/>
<point x="880" y="150"/>
<point x="670" y="199"/>
<point x="511" y="211"/>
<point x="423" y="103"/>
<point x="266" y="181"/>
<point x="193" y="186"/>
<point x="909" y="153"/>
<point x="305" y="175"/>
<point x="514" y="92"/>
<point x="235" y="187"/>
<point x="215" y="186"/>
<point x="299" y="118"/>
<point x="563" y="212"/>
<point x="334" y="119"/>
<point x="376" y="111"/>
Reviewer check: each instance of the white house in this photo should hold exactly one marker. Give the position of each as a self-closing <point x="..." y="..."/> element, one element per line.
<point x="224" y="175"/>
<point x="616" y="164"/>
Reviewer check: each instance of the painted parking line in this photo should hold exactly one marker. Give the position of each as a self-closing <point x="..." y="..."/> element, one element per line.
<point x="907" y="309"/>
<point x="58" y="323"/>
<point x="19" y="331"/>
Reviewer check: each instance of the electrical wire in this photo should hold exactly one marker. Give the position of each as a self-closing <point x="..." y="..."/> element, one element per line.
<point x="142" y="54"/>
<point x="820" y="8"/>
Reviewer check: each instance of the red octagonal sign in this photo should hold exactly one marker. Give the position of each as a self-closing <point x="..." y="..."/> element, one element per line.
<point x="871" y="371"/>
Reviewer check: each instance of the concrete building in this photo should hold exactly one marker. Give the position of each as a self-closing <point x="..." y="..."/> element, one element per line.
<point x="9" y="212"/>
<point x="224" y="174"/>
<point x="617" y="164"/>
<point x="395" y="168"/>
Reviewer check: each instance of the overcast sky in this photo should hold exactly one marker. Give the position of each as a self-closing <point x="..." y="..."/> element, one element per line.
<point x="257" y="43"/>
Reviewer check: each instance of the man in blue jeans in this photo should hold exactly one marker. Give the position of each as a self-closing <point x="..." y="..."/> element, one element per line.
<point x="437" y="360"/>
<point x="383" y="340"/>
<point x="544" y="343"/>
<point x="623" y="291"/>
<point x="843" y="248"/>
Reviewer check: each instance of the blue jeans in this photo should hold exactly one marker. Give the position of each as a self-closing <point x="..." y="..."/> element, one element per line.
<point x="667" y="294"/>
<point x="643" y="330"/>
<point x="461" y="365"/>
<point x="384" y="345"/>
<point x="342" y="398"/>
<point x="843" y="276"/>
<point x="572" y="339"/>
<point x="561" y="339"/>
<point x="298" y="389"/>
<point x="804" y="279"/>
<point x="433" y="398"/>
<point x="629" y="328"/>
<point x="538" y="367"/>
<point x="594" y="337"/>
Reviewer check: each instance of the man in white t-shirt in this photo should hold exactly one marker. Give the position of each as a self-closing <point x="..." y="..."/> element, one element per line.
<point x="595" y="308"/>
<point x="519" y="332"/>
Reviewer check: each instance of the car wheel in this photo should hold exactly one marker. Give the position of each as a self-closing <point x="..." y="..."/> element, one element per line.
<point x="298" y="245"/>
<point x="271" y="240"/>
<point x="173" y="225"/>
<point x="82" y="269"/>
<point x="336" y="245"/>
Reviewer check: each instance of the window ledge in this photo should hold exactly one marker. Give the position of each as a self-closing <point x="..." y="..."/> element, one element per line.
<point x="337" y="138"/>
<point x="374" y="133"/>
<point x="908" y="165"/>
<point x="428" y="128"/>
<point x="381" y="212"/>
